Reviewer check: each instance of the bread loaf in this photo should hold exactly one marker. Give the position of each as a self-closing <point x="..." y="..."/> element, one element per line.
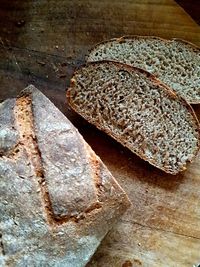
<point x="139" y="111"/>
<point x="174" y="62"/>
<point x="57" y="198"/>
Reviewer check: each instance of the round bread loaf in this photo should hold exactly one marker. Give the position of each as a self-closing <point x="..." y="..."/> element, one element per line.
<point x="57" y="198"/>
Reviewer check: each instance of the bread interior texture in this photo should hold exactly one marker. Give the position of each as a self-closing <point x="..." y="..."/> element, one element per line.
<point x="137" y="111"/>
<point x="176" y="63"/>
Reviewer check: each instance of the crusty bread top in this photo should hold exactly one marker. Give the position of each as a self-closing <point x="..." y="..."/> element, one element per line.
<point x="175" y="62"/>
<point x="98" y="87"/>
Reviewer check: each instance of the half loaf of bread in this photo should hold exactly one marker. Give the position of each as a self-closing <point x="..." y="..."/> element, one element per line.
<point x="57" y="198"/>
<point x="175" y="62"/>
<point x="140" y="112"/>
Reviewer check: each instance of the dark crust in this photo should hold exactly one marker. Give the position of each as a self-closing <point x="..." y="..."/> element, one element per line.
<point x="167" y="90"/>
<point x="129" y="37"/>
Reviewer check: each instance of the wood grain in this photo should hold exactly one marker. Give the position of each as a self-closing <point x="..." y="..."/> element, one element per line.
<point x="191" y="7"/>
<point x="143" y="246"/>
<point x="42" y="42"/>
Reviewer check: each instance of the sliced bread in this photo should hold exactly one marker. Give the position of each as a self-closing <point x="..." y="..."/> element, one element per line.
<point x="174" y="62"/>
<point x="139" y="111"/>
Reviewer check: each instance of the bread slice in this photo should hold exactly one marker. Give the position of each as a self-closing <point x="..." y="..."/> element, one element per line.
<point x="140" y="112"/>
<point x="175" y="62"/>
<point x="57" y="199"/>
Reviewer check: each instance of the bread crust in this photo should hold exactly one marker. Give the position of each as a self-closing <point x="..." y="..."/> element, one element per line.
<point x="169" y="91"/>
<point x="128" y="37"/>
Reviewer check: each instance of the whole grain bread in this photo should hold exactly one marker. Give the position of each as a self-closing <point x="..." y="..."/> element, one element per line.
<point x="57" y="198"/>
<point x="175" y="62"/>
<point x="139" y="111"/>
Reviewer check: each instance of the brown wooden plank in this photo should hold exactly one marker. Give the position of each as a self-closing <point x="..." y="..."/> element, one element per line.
<point x="72" y="26"/>
<point x="149" y="247"/>
<point x="41" y="43"/>
<point x="192" y="8"/>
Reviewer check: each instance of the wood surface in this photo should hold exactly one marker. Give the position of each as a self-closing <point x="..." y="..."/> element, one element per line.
<point x="41" y="43"/>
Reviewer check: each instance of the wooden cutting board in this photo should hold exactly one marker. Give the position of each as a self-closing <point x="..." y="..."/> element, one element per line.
<point x="41" y="43"/>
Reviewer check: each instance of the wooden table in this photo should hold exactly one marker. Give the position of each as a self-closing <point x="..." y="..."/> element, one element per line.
<point x="41" y="43"/>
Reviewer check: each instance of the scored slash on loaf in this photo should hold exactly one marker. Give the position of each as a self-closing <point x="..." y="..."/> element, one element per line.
<point x="175" y="62"/>
<point x="137" y="110"/>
